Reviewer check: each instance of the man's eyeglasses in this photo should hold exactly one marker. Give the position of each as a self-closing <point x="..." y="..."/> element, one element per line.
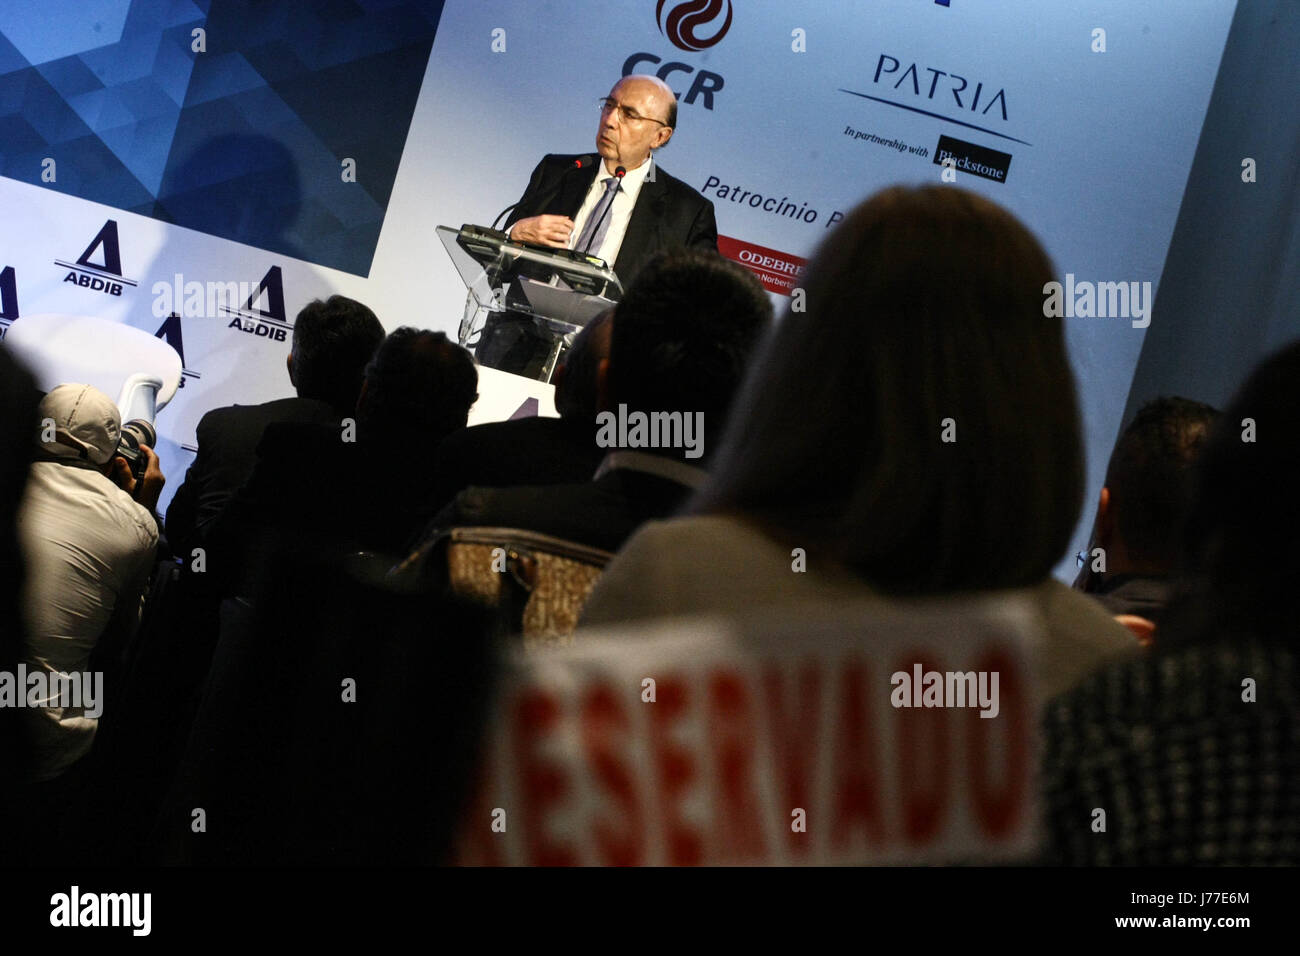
<point x="628" y="115"/>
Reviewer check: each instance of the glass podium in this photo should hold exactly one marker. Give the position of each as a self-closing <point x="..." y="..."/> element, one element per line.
<point x="561" y="290"/>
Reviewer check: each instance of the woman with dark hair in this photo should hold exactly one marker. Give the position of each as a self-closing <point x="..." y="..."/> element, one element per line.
<point x="1194" y="752"/>
<point x="915" y="432"/>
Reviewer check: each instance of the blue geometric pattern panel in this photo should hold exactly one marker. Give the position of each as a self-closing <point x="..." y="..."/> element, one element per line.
<point x="244" y="140"/>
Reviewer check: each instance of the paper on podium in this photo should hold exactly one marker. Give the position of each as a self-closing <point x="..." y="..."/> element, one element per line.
<point x="559" y="303"/>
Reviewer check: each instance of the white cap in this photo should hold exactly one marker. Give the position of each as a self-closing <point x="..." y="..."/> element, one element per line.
<point x="87" y="424"/>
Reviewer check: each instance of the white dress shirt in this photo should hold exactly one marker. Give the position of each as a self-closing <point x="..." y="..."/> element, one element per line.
<point x="619" y="216"/>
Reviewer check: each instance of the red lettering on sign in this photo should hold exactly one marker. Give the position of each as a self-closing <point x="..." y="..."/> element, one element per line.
<point x="541" y="784"/>
<point x="478" y="844"/>
<point x="737" y="815"/>
<point x="856" y="798"/>
<point x="604" y="733"/>
<point x="998" y="810"/>
<point x="924" y="773"/>
<point x="794" y="729"/>
<point x="676" y="770"/>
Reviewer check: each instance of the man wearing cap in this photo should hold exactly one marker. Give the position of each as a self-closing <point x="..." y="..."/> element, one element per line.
<point x="88" y="536"/>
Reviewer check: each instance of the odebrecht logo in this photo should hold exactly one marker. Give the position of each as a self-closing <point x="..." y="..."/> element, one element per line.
<point x="682" y="20"/>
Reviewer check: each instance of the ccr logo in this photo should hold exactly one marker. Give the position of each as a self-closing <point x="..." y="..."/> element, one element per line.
<point x="679" y="26"/>
<point x="683" y="19"/>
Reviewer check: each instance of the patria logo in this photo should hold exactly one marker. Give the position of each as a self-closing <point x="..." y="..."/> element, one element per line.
<point x="685" y="18"/>
<point x="104" y="276"/>
<point x="939" y="90"/>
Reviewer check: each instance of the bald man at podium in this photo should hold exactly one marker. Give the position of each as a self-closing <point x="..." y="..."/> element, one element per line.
<point x="617" y="205"/>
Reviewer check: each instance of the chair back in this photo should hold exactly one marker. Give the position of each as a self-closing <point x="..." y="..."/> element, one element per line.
<point x="537" y="583"/>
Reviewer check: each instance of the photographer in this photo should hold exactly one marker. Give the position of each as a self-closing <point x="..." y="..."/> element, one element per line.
<point x="88" y="535"/>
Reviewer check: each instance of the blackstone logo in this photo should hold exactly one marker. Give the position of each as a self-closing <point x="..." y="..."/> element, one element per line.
<point x="653" y="430"/>
<point x="973" y="159"/>
<point x="684" y="18"/>
<point x="105" y="276"/>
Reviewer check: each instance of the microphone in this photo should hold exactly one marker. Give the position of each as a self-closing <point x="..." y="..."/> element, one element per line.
<point x="619" y="173"/>
<point x="581" y="162"/>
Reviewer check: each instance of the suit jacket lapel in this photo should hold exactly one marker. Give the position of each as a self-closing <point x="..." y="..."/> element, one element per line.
<point x="573" y="191"/>
<point x="643" y="228"/>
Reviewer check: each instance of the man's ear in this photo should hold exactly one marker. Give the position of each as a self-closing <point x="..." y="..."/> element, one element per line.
<point x="666" y="133"/>
<point x="1105" y="517"/>
<point x="293" y="380"/>
<point x="602" y="386"/>
<point x="1140" y="627"/>
<point x="361" y="398"/>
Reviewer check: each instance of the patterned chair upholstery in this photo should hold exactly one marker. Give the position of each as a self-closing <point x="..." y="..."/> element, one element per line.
<point x="538" y="584"/>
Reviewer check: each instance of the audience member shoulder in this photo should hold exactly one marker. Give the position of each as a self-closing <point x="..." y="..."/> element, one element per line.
<point x="1081" y="636"/>
<point x="299" y="438"/>
<point x="708" y="564"/>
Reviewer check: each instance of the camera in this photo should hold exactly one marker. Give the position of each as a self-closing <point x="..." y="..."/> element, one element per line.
<point x="135" y="433"/>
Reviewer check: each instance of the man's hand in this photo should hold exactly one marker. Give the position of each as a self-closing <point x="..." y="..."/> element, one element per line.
<point x="544" y="230"/>
<point x="149" y="487"/>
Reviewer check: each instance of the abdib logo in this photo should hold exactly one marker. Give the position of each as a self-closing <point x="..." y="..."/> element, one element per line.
<point x="270" y="322"/>
<point x="170" y="332"/>
<point x="103" y="276"/>
<point x="684" y="18"/>
<point x="8" y="298"/>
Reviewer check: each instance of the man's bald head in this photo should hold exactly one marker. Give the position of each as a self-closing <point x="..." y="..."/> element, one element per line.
<point x="661" y="93"/>
<point x="639" y="117"/>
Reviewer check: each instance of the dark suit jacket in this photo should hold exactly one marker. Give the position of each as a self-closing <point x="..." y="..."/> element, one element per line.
<point x="601" y="513"/>
<point x="312" y="495"/>
<point x="228" y="440"/>
<point x="1143" y="595"/>
<point x="668" y="213"/>
<point x="524" y="451"/>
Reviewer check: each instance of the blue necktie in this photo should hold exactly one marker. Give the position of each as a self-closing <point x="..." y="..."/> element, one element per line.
<point x="593" y="233"/>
